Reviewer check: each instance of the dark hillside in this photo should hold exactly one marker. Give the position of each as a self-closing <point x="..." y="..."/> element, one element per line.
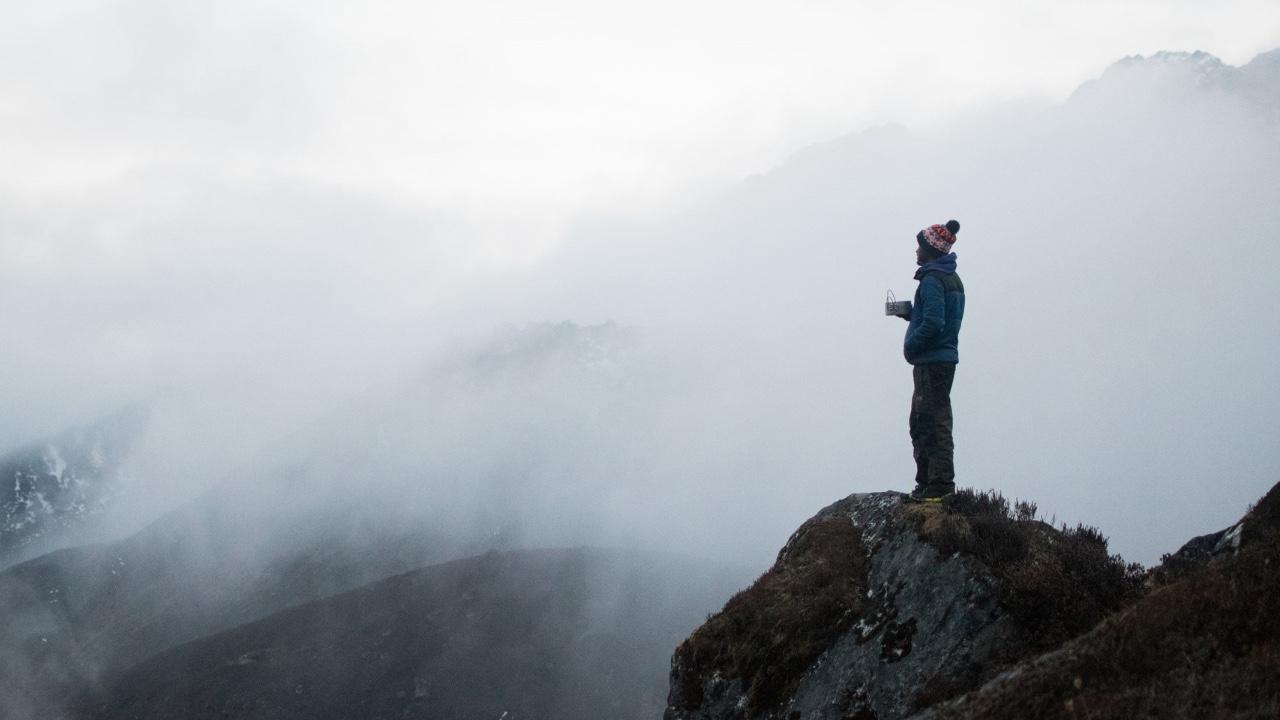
<point x="429" y="470"/>
<point x="76" y="616"/>
<point x="532" y="634"/>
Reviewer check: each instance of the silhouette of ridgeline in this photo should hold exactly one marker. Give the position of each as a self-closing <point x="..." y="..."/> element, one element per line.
<point x="877" y="610"/>
<point x="573" y="633"/>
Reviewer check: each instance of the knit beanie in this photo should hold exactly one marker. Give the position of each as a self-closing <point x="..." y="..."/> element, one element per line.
<point x="939" y="237"/>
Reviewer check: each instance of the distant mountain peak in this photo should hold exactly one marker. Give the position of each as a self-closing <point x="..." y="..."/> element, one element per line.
<point x="595" y="350"/>
<point x="1169" y="78"/>
<point x="1198" y="68"/>
<point x="1197" y="59"/>
<point x="1271" y="59"/>
<point x="58" y="483"/>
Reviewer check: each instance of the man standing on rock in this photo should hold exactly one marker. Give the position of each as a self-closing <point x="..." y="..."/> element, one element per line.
<point x="931" y="347"/>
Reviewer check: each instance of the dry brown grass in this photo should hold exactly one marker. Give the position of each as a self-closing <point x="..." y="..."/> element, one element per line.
<point x="1058" y="583"/>
<point x="770" y="633"/>
<point x="1206" y="645"/>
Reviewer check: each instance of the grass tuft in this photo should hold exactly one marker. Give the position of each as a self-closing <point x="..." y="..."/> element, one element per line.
<point x="1204" y="645"/>
<point x="1058" y="583"/>
<point x="770" y="633"/>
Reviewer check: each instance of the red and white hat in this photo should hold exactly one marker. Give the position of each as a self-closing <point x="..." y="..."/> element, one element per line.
<point x="939" y="237"/>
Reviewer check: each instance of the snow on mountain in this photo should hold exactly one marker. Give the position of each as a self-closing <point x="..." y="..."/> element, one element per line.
<point x="1136" y="83"/>
<point x="52" y="485"/>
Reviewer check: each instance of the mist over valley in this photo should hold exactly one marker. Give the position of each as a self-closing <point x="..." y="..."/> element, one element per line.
<point x="285" y="449"/>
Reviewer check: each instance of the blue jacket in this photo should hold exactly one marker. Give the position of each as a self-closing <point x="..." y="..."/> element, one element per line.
<point x="933" y="335"/>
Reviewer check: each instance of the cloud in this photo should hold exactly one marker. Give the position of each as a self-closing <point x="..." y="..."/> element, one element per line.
<point x="177" y="223"/>
<point x="560" y="105"/>
<point x="1108" y="370"/>
<point x="175" y="277"/>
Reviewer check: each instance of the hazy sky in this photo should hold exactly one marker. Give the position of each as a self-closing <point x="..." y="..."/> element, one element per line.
<point x="279" y="204"/>
<point x="516" y="115"/>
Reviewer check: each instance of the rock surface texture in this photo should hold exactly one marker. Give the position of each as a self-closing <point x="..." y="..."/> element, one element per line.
<point x="876" y="609"/>
<point x="1203" y="643"/>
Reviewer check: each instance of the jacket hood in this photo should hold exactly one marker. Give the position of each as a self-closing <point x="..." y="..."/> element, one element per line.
<point x="946" y="264"/>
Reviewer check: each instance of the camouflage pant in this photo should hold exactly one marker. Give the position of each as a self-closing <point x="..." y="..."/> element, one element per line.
<point x="931" y="425"/>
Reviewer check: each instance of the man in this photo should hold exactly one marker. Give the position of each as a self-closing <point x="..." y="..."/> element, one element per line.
<point x="931" y="347"/>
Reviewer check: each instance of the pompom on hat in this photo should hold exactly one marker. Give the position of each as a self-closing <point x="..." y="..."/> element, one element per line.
<point x="939" y="237"/>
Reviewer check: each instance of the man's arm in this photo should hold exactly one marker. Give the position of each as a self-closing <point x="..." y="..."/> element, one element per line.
<point x="933" y="315"/>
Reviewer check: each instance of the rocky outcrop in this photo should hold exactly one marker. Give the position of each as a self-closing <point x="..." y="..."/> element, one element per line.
<point x="875" y="610"/>
<point x="1204" y="643"/>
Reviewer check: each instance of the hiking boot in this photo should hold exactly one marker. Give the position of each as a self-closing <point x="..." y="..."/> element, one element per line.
<point x="931" y="494"/>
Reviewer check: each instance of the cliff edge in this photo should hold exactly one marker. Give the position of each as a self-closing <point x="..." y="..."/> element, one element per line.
<point x="876" y="610"/>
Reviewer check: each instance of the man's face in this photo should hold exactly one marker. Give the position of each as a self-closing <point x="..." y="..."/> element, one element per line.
<point x="922" y="257"/>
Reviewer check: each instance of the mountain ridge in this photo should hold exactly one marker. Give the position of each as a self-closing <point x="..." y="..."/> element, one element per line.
<point x="566" y="633"/>
<point x="55" y="486"/>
